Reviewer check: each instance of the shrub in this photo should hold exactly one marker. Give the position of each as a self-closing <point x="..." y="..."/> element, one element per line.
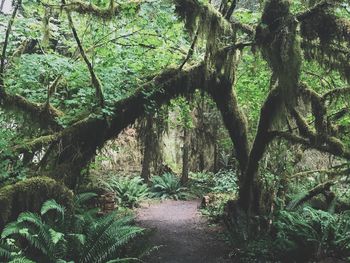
<point x="305" y="235"/>
<point x="168" y="186"/>
<point x="225" y="181"/>
<point x="312" y="234"/>
<point x="52" y="237"/>
<point x="129" y="192"/>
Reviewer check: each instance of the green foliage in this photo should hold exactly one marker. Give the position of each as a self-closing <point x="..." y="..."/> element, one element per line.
<point x="224" y="181"/>
<point x="11" y="169"/>
<point x="129" y="191"/>
<point x="312" y="234"/>
<point x="53" y="237"/>
<point x="168" y="186"/>
<point x="306" y="235"/>
<point x="253" y="78"/>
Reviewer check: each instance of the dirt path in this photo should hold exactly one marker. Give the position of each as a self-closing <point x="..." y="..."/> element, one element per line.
<point x="184" y="235"/>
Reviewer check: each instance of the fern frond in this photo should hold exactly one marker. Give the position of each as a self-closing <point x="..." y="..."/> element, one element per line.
<point x="82" y="198"/>
<point x="52" y="205"/>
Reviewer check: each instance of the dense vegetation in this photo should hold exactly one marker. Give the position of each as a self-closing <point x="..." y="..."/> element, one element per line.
<point x="257" y="92"/>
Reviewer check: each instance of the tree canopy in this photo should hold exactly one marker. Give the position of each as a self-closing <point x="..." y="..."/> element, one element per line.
<point x="74" y="74"/>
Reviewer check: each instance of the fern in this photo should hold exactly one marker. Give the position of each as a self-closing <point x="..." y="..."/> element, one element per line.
<point x="168" y="186"/>
<point x="107" y="236"/>
<point x="95" y="240"/>
<point x="22" y="260"/>
<point x="5" y="251"/>
<point x="82" y="198"/>
<point x="314" y="233"/>
<point x="52" y="205"/>
<point x="129" y="192"/>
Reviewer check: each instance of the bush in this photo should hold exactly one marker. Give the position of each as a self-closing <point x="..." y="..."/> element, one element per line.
<point x="51" y="237"/>
<point x="168" y="186"/>
<point x="129" y="192"/>
<point x="311" y="234"/>
<point x="306" y="235"/>
<point x="225" y="181"/>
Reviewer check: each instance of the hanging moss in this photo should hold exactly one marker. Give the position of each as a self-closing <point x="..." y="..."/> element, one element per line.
<point x="29" y="195"/>
<point x="276" y="37"/>
<point x="325" y="26"/>
<point x="195" y="13"/>
<point x="328" y="56"/>
<point x="320" y="24"/>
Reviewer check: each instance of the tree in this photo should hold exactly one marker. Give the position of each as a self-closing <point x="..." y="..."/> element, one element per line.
<point x="286" y="40"/>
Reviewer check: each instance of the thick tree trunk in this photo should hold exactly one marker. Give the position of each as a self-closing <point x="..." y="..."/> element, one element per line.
<point x="147" y="150"/>
<point x="234" y="120"/>
<point x="249" y="193"/>
<point x="185" y="156"/>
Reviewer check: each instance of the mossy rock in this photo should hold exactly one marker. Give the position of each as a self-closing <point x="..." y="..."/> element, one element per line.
<point x="29" y="195"/>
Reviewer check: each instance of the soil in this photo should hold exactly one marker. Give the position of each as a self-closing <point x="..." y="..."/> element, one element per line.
<point x="183" y="234"/>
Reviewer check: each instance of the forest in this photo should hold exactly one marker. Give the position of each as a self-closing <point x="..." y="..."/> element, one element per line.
<point x="167" y="131"/>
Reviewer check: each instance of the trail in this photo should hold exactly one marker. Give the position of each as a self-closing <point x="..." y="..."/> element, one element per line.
<point x="184" y="235"/>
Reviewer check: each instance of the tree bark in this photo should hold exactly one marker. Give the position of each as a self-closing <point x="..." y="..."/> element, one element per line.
<point x="234" y="120"/>
<point x="147" y="150"/>
<point x="185" y="156"/>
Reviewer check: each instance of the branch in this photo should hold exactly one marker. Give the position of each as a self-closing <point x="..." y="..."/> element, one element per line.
<point x="319" y="189"/>
<point x="304" y="15"/>
<point x="302" y="125"/>
<point x="88" y="8"/>
<point x="44" y="114"/>
<point x="318" y="108"/>
<point x="336" y="93"/>
<point x="169" y="84"/>
<point x="191" y="50"/>
<point x="94" y="79"/>
<point x="332" y="145"/>
<point x="3" y="54"/>
<point x="190" y="10"/>
<point x="230" y="10"/>
<point x="329" y="172"/>
<point x="249" y="30"/>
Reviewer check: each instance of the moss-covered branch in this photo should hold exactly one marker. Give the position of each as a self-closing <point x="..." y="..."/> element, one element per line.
<point x="331" y="144"/>
<point x="319" y="189"/>
<point x="335" y="93"/>
<point x="79" y="142"/>
<point x="85" y="8"/>
<point x="205" y="15"/>
<point x="43" y="114"/>
<point x="302" y="125"/>
<point x="319" y="110"/>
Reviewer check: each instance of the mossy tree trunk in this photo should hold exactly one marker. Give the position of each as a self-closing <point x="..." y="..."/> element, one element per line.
<point x="148" y="139"/>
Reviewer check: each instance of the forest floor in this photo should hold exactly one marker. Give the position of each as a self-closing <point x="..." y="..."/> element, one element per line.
<point x="183" y="234"/>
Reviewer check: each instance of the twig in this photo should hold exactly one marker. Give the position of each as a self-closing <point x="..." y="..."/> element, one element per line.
<point x="191" y="50"/>
<point x="7" y="35"/>
<point x="94" y="79"/>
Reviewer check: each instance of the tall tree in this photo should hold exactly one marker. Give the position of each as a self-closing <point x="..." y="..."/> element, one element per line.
<point x="69" y="146"/>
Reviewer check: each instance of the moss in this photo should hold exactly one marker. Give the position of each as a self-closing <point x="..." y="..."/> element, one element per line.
<point x="84" y="8"/>
<point x="29" y="195"/>
<point x="329" y="56"/>
<point x="277" y="38"/>
<point x="326" y="39"/>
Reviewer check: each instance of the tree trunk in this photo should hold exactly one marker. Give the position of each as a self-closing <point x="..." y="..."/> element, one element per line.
<point x="185" y="156"/>
<point x="147" y="150"/>
<point x="234" y="120"/>
<point x="249" y="193"/>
